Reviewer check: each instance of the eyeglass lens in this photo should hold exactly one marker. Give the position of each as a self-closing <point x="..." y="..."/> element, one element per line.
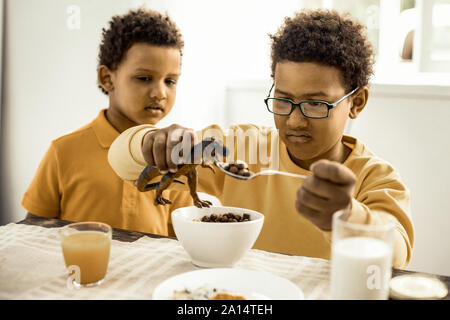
<point x="310" y="109"/>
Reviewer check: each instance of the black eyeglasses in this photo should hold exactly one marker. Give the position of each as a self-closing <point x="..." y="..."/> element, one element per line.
<point x="315" y="109"/>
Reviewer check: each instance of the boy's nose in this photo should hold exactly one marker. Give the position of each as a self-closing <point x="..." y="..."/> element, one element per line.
<point x="158" y="92"/>
<point x="296" y="119"/>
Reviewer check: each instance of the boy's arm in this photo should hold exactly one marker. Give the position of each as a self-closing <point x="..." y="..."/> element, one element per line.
<point x="379" y="189"/>
<point x="136" y="147"/>
<point x="145" y="144"/>
<point x="391" y="197"/>
<point x="125" y="154"/>
<point x="45" y="204"/>
<point x="128" y="160"/>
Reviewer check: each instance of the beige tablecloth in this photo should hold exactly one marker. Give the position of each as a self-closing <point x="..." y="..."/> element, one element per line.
<point x="32" y="267"/>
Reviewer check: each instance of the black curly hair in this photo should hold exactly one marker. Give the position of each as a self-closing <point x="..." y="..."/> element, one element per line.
<point x="328" y="38"/>
<point x="136" y="26"/>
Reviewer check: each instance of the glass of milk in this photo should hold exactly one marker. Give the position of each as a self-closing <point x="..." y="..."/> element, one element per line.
<point x="361" y="261"/>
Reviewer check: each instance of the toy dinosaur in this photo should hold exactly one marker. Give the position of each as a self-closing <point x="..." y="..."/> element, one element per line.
<point x="208" y="150"/>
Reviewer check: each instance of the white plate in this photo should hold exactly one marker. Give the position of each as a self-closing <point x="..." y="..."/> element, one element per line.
<point x="248" y="283"/>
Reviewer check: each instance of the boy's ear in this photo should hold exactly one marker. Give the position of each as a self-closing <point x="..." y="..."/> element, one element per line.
<point x="359" y="101"/>
<point x="104" y="77"/>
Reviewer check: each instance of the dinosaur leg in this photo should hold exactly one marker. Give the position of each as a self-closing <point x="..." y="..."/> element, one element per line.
<point x="146" y="175"/>
<point x="155" y="185"/>
<point x="163" y="185"/>
<point x="151" y="186"/>
<point x="192" y="181"/>
<point x="206" y="165"/>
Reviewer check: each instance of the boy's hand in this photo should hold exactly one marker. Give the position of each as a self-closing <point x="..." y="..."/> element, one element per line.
<point x="330" y="189"/>
<point x="158" y="146"/>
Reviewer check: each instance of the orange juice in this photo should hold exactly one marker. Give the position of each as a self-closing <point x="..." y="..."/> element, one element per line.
<point x="88" y="250"/>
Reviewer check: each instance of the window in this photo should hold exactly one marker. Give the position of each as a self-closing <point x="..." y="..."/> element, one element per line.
<point x="441" y="31"/>
<point x="408" y="35"/>
<point x="433" y="36"/>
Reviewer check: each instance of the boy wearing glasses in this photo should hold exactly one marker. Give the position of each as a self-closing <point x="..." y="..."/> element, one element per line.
<point x="321" y="65"/>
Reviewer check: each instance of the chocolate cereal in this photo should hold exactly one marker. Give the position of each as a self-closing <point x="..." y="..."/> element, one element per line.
<point x="226" y="217"/>
<point x="239" y="167"/>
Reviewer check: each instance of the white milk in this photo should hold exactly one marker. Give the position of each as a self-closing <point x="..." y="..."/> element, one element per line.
<point x="360" y="268"/>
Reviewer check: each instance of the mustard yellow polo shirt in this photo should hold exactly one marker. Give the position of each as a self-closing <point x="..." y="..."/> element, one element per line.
<point x="75" y="182"/>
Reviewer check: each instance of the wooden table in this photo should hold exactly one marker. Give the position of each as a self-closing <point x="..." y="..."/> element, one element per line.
<point x="130" y="236"/>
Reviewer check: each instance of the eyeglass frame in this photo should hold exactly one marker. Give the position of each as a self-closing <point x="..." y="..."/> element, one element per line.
<point x="299" y="104"/>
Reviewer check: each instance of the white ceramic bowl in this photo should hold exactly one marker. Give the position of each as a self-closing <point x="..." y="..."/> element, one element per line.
<point x="215" y="244"/>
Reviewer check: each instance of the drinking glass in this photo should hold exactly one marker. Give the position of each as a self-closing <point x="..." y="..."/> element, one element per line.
<point x="86" y="247"/>
<point x="361" y="262"/>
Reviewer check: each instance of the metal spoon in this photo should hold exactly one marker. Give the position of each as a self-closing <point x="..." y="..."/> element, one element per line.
<point x="221" y="166"/>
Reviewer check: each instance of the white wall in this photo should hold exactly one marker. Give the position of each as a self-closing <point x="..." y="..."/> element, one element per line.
<point x="50" y="89"/>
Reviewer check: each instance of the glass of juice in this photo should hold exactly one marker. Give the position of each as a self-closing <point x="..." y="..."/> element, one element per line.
<point x="361" y="261"/>
<point x="86" y="247"/>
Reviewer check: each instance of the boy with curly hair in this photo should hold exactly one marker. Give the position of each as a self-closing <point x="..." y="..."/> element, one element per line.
<point x="139" y="66"/>
<point x="321" y="65"/>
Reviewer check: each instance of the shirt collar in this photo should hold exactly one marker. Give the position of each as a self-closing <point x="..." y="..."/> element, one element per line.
<point x="104" y="131"/>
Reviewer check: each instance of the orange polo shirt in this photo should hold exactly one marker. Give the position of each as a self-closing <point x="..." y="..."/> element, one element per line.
<point x="75" y="182"/>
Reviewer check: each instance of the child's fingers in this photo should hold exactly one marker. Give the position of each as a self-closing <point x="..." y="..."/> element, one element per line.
<point x="323" y="188"/>
<point x="316" y="216"/>
<point x="188" y="144"/>
<point x="333" y="171"/>
<point x="159" y="152"/>
<point x="147" y="149"/>
<point x="180" y="141"/>
<point x="174" y="148"/>
<point x="334" y="194"/>
<point x="312" y="200"/>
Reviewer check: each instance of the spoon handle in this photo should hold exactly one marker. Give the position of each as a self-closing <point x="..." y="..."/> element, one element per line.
<point x="269" y="172"/>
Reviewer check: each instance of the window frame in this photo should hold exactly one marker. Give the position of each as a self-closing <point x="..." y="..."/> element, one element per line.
<point x="423" y="41"/>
